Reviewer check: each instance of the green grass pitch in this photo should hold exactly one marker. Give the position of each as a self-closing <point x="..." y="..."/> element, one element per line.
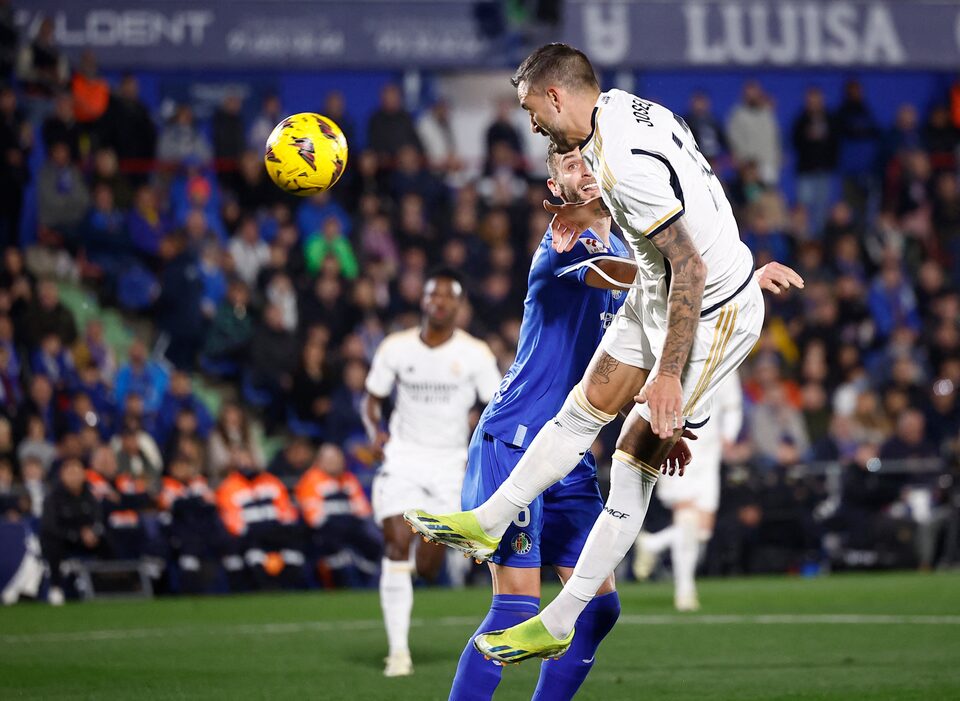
<point x="849" y="637"/>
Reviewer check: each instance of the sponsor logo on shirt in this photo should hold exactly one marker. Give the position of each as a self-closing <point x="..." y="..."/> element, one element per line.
<point x="593" y="246"/>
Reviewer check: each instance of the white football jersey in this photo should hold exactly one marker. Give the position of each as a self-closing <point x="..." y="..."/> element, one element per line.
<point x="436" y="387"/>
<point x="651" y="173"/>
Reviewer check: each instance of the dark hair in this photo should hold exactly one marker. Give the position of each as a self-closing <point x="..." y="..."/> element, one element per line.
<point x="446" y="273"/>
<point x="553" y="161"/>
<point x="558" y="64"/>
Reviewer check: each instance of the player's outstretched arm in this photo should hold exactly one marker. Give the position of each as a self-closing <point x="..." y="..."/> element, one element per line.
<point x="663" y="392"/>
<point x="618" y="274"/>
<point x="776" y="277"/>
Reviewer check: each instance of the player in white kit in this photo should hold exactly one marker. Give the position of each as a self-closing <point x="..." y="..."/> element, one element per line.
<point x="693" y="498"/>
<point x="696" y="316"/>
<point x="439" y="373"/>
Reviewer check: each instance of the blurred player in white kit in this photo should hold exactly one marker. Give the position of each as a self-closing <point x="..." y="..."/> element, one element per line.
<point x="439" y="373"/>
<point x="693" y="497"/>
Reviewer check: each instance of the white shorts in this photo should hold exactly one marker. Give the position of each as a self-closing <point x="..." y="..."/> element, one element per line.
<point x="700" y="484"/>
<point x="418" y="479"/>
<point x="723" y="340"/>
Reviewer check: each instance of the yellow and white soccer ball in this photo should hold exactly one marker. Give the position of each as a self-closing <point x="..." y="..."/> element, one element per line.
<point x="306" y="153"/>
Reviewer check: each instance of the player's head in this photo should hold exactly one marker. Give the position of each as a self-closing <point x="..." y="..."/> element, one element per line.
<point x="554" y="85"/>
<point x="570" y="179"/>
<point x="442" y="296"/>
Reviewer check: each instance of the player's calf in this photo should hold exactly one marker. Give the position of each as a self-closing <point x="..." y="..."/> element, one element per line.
<point x="477" y="677"/>
<point x="560" y="679"/>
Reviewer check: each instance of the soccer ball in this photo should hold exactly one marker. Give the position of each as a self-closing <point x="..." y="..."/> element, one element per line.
<point x="306" y="154"/>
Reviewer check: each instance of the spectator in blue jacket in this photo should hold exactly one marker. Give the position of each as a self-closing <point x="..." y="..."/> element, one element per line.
<point x="315" y="211"/>
<point x="892" y="300"/>
<point x="180" y="396"/>
<point x="141" y="376"/>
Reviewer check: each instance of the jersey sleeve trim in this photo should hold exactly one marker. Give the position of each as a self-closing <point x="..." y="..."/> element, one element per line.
<point x="670" y="218"/>
<point x="593" y="129"/>
<point x="711" y="309"/>
<point x="674" y="180"/>
<point x="664" y="222"/>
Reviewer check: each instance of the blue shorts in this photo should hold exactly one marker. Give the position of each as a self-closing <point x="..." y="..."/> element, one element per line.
<point x="553" y="529"/>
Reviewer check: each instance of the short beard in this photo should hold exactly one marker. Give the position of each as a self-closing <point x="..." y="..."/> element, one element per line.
<point x="571" y="197"/>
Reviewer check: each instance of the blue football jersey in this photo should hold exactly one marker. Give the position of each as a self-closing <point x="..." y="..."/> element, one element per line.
<point x="563" y="322"/>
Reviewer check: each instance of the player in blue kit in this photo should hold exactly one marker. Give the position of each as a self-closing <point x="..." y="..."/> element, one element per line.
<point x="571" y="299"/>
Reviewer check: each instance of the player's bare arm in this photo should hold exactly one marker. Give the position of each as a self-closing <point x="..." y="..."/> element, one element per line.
<point x="617" y="274"/>
<point x="773" y="277"/>
<point x="664" y="393"/>
<point x="372" y="417"/>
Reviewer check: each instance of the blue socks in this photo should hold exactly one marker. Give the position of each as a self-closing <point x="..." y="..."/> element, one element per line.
<point x="560" y="679"/>
<point x="477" y="678"/>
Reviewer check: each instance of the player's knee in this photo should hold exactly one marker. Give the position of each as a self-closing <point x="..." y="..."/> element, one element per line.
<point x="579" y="416"/>
<point x="608" y="586"/>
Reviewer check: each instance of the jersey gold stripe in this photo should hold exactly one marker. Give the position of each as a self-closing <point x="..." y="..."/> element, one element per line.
<point x="653" y="227"/>
<point x="607" y="180"/>
<point x="717" y="333"/>
<point x="727" y="334"/>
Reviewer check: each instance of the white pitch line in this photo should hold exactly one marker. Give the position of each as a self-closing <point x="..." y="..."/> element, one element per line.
<point x="450" y="621"/>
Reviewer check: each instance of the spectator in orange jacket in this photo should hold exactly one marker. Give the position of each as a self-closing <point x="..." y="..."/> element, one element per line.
<point x="257" y="512"/>
<point x="123" y="499"/>
<point x="343" y="536"/>
<point x="91" y="93"/>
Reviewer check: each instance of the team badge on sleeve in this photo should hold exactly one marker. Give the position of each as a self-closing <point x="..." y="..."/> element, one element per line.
<point x="593" y="245"/>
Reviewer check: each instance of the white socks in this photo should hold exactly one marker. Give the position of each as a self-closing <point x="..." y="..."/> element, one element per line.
<point x="613" y="534"/>
<point x="396" y="600"/>
<point x="552" y="455"/>
<point x="684" y="551"/>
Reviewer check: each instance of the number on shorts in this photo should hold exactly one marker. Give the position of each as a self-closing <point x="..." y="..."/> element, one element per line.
<point x="523" y="518"/>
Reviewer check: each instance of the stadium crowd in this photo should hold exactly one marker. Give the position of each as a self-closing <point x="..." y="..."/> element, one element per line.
<point x="282" y="303"/>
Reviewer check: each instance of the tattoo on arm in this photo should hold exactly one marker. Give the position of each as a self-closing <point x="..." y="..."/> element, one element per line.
<point x="595" y="207"/>
<point x="605" y="367"/>
<point x="689" y="274"/>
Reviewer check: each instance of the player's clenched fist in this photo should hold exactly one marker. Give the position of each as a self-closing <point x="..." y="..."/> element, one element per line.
<point x="663" y="395"/>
